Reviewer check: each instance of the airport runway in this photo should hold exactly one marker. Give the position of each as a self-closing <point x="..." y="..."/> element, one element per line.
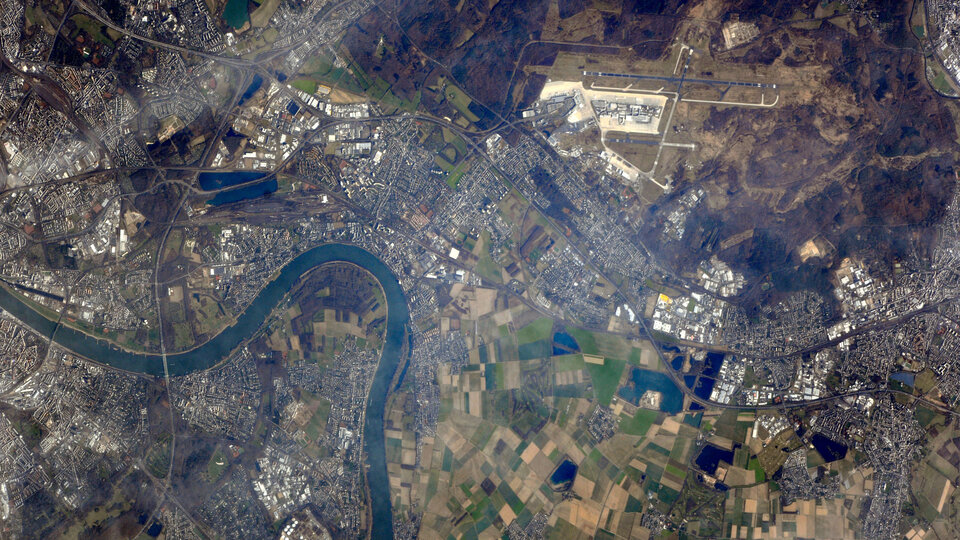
<point x="677" y="79"/>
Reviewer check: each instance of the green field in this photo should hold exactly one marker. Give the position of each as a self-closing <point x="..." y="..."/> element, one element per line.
<point x="158" y="457"/>
<point x="182" y="336"/>
<point x="639" y="423"/>
<point x="537" y="349"/>
<point x="261" y="16"/>
<point x="535" y="331"/>
<point x="446" y="167"/>
<point x="454" y="139"/>
<point x="606" y="378"/>
<point x="217" y="465"/>
<point x="588" y="344"/>
<point x="305" y="85"/>
<point x="486" y="266"/>
<point x="453" y="179"/>
<point x="318" y="421"/>
<point x="941" y="84"/>
<point x="568" y="362"/>
<point x="460" y="101"/>
<point x="754" y="466"/>
<point x="91" y="28"/>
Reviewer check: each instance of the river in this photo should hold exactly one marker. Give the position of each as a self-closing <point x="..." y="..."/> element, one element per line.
<point x="216" y="350"/>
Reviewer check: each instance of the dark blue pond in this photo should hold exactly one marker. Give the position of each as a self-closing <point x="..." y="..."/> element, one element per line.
<point x="218" y="180"/>
<point x="563" y="475"/>
<point x="830" y="449"/>
<point x="235" y="13"/>
<point x="642" y="380"/>
<point x="564" y="343"/>
<point x="154" y="530"/>
<point x="252" y="89"/>
<point x="904" y="377"/>
<point x="711" y="456"/>
<point x="677" y="362"/>
<point x="712" y="365"/>
<point x="246" y="192"/>
<point x="704" y="387"/>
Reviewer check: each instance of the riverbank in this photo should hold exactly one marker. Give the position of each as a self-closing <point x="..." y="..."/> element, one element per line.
<point x="217" y="349"/>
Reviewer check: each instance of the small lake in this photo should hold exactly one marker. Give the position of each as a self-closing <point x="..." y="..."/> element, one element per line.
<point x="711" y="456"/>
<point x="677" y="362"/>
<point x="252" y="89"/>
<point x="235" y="13"/>
<point x="830" y="449"/>
<point x="219" y="180"/>
<point x="713" y="364"/>
<point x="704" y="387"/>
<point x="564" y="343"/>
<point x="563" y="475"/>
<point x="642" y="380"/>
<point x="904" y="377"/>
<point x="252" y="191"/>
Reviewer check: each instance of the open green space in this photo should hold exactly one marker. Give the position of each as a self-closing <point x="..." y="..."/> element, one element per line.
<point x="217" y="465"/>
<point x="568" y="362"/>
<point x="754" y="466"/>
<point x="535" y="331"/>
<point x="606" y="378"/>
<point x="158" y="457"/>
<point x="305" y="85"/>
<point x="459" y="101"/>
<point x="537" y="349"/>
<point x="639" y="423"/>
<point x="453" y="179"/>
<point x="92" y="28"/>
<point x="585" y="339"/>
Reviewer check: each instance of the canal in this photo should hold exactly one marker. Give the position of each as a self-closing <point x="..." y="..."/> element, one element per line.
<point x="216" y="350"/>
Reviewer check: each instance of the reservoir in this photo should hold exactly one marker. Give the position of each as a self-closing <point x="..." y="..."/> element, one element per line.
<point x="704" y="387"/>
<point x="904" y="377"/>
<point x="252" y="191"/>
<point x="219" y="180"/>
<point x="712" y="365"/>
<point x="711" y="456"/>
<point x="564" y="343"/>
<point x="563" y="475"/>
<point x="254" y="84"/>
<point x="830" y="449"/>
<point x="642" y="380"/>
<point x="235" y="13"/>
<point x="677" y="362"/>
<point x="217" y="349"/>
